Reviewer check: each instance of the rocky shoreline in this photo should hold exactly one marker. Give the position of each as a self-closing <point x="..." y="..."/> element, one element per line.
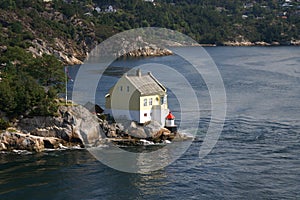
<point x="260" y="43"/>
<point x="134" y="48"/>
<point x="75" y="126"/>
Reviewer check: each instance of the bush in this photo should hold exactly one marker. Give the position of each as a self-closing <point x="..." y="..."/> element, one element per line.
<point x="3" y="124"/>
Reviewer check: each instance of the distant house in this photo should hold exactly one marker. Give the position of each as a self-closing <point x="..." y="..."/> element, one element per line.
<point x="98" y="9"/>
<point x="138" y="97"/>
<point x="110" y="9"/>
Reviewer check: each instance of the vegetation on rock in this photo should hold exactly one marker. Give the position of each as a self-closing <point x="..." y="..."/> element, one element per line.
<point x="28" y="85"/>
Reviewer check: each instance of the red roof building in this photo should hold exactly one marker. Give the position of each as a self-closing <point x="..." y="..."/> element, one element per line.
<point x="170" y="116"/>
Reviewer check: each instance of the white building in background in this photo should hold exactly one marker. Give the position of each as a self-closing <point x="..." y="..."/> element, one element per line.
<point x="110" y="8"/>
<point x="98" y="9"/>
<point x="138" y="97"/>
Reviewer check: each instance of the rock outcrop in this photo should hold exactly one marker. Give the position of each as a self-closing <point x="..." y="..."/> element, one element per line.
<point x="131" y="133"/>
<point x="148" y="51"/>
<point x="75" y="126"/>
<point x="133" y="45"/>
<point x="67" y="54"/>
<point x="13" y="139"/>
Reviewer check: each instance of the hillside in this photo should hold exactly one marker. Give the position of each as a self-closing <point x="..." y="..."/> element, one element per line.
<point x="69" y="29"/>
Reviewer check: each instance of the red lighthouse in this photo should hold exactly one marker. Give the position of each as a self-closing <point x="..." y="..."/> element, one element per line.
<point x="170" y="122"/>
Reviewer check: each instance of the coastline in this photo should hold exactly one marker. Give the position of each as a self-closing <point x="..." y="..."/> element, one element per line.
<point x="79" y="127"/>
<point x="256" y="44"/>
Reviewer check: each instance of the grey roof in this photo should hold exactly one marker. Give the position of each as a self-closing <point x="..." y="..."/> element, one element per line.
<point x="147" y="84"/>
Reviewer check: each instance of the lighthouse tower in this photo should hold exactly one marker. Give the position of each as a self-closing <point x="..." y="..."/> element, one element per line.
<point x="170" y="123"/>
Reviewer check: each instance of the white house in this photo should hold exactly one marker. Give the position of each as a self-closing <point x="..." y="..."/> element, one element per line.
<point x="138" y="97"/>
<point x="98" y="9"/>
<point x="110" y="8"/>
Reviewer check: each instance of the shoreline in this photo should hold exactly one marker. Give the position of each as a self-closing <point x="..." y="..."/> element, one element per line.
<point x="247" y="44"/>
<point x="154" y="51"/>
<point x="78" y="127"/>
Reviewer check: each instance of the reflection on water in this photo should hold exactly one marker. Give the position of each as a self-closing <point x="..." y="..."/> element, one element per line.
<point x="140" y="162"/>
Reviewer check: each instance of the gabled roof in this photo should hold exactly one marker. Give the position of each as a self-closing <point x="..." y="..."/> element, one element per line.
<point x="146" y="84"/>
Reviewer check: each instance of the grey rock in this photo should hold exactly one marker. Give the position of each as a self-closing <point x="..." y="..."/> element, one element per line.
<point x="75" y="124"/>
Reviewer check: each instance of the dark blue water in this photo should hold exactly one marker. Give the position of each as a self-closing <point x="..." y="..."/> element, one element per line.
<point x="256" y="157"/>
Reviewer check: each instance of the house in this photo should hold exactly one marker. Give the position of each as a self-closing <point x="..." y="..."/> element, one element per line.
<point x="98" y="9"/>
<point x="110" y="8"/>
<point x="139" y="98"/>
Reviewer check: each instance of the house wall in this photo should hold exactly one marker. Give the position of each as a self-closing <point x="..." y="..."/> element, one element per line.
<point x="124" y="101"/>
<point x="159" y="113"/>
<point x="146" y="108"/>
<point x="123" y="96"/>
<point x="133" y="115"/>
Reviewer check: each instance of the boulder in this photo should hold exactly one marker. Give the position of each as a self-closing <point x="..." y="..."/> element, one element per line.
<point x="162" y="131"/>
<point x="152" y="128"/>
<point x="38" y="122"/>
<point x="52" y="142"/>
<point x="11" y="140"/>
<point x="74" y="124"/>
<point x="85" y="123"/>
<point x="142" y="132"/>
<point x="134" y="130"/>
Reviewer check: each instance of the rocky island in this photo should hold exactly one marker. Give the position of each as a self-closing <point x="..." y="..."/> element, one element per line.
<point x="77" y="127"/>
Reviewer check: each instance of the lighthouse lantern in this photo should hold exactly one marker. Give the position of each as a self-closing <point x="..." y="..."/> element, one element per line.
<point x="170" y="120"/>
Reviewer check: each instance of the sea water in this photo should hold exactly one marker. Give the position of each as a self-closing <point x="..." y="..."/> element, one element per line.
<point x="255" y="157"/>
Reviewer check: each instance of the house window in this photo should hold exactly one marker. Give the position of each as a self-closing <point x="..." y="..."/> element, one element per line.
<point x="121" y="88"/>
<point x="162" y="100"/>
<point x="145" y="114"/>
<point x="145" y="102"/>
<point x="150" y="102"/>
<point x="127" y="88"/>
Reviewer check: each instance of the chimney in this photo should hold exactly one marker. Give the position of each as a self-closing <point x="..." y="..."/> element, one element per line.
<point x="138" y="72"/>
